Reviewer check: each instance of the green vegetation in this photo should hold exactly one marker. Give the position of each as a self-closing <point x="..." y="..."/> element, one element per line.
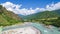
<point x="43" y="15"/>
<point x="56" y="22"/>
<point x="8" y="17"/>
<point x="46" y="17"/>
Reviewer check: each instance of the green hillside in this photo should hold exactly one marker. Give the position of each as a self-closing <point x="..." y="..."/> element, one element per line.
<point x="43" y="15"/>
<point x="8" y="18"/>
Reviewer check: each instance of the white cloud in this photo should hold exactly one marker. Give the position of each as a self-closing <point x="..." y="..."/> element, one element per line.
<point x="53" y="6"/>
<point x="16" y="8"/>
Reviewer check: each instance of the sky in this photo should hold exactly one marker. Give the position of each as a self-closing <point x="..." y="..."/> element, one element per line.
<point x="27" y="7"/>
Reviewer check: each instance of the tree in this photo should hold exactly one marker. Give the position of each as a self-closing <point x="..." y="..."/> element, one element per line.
<point x="0" y="6"/>
<point x="57" y="22"/>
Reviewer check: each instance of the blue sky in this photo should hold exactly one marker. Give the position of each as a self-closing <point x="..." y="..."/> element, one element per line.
<point x="31" y="3"/>
<point x="27" y="7"/>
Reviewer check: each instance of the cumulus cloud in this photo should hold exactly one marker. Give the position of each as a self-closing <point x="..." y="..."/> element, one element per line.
<point x="16" y="8"/>
<point x="53" y="6"/>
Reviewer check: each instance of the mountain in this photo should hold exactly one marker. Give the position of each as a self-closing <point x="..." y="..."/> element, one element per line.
<point x="44" y="14"/>
<point x="57" y="11"/>
<point x="45" y="17"/>
<point x="22" y="16"/>
<point x="8" y="17"/>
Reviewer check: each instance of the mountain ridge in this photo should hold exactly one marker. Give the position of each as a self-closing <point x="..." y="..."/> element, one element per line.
<point x="44" y="14"/>
<point x="8" y="17"/>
